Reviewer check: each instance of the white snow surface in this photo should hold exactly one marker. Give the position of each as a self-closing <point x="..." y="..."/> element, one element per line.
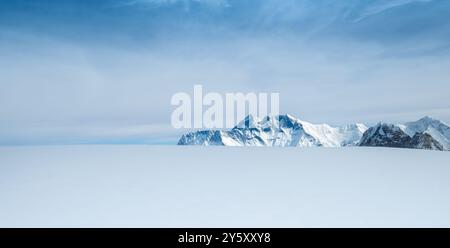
<point x="189" y="186"/>
<point x="335" y="136"/>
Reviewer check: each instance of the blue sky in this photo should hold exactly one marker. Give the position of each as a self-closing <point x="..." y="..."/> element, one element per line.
<point x="104" y="71"/>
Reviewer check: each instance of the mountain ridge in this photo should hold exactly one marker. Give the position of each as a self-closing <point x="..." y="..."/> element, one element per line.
<point x="288" y="131"/>
<point x="280" y="130"/>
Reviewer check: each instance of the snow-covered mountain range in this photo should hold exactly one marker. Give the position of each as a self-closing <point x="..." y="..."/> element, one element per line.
<point x="286" y="130"/>
<point x="282" y="130"/>
<point x="426" y="133"/>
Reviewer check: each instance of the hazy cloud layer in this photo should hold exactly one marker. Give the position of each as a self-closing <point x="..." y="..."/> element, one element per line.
<point x="64" y="76"/>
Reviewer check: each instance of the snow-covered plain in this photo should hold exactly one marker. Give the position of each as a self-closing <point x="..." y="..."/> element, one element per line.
<point x="184" y="186"/>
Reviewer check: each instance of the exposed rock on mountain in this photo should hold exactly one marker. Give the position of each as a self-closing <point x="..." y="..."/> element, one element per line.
<point x="425" y="141"/>
<point x="402" y="136"/>
<point x="387" y="135"/>
<point x="436" y="128"/>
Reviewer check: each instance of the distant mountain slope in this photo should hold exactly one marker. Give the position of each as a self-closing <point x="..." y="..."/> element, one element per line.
<point x="282" y="130"/>
<point x="436" y="128"/>
<point x="387" y="135"/>
<point x="426" y="133"/>
<point x="390" y="135"/>
<point x="425" y="141"/>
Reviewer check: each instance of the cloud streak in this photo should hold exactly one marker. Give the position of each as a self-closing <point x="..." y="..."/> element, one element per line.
<point x="381" y="6"/>
<point x="185" y="3"/>
<point x="120" y="68"/>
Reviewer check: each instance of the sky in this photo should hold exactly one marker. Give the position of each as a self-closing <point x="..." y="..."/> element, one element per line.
<point x="104" y="71"/>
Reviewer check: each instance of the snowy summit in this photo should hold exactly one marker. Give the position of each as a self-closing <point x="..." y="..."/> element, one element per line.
<point x="281" y="130"/>
<point x="286" y="130"/>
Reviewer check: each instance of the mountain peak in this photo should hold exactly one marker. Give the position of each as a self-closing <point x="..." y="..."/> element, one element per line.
<point x="249" y="122"/>
<point x="279" y="130"/>
<point x="425" y="133"/>
<point x="427" y="119"/>
<point x="287" y="120"/>
<point x="286" y="130"/>
<point x="385" y="135"/>
<point x="436" y="128"/>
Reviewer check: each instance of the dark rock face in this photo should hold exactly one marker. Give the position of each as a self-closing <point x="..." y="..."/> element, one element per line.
<point x="425" y="141"/>
<point x="385" y="135"/>
<point x="388" y="135"/>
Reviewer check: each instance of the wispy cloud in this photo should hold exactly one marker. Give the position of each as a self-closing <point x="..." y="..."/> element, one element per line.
<point x="185" y="3"/>
<point x="381" y="6"/>
<point x="115" y="69"/>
